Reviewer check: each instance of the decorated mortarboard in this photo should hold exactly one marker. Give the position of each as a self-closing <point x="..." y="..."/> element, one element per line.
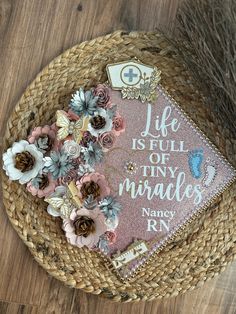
<point x="125" y="169"/>
<point x="135" y="79"/>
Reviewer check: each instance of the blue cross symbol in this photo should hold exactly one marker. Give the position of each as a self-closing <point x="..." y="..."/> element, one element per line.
<point x="130" y="75"/>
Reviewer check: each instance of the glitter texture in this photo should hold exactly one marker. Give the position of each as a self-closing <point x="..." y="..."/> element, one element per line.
<point x="132" y="223"/>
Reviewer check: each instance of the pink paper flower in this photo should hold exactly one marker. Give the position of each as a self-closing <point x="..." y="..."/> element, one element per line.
<point x="48" y="132"/>
<point x="72" y="116"/>
<point x="107" y="140"/>
<point x="75" y="227"/>
<point x="111" y="237"/>
<point x="118" y="124"/>
<point x="93" y="184"/>
<point x="46" y="186"/>
<point x="102" y="92"/>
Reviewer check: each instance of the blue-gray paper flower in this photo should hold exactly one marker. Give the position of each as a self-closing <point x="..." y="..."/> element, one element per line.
<point x="110" y="207"/>
<point x="58" y="164"/>
<point x="84" y="103"/>
<point x="93" y="154"/>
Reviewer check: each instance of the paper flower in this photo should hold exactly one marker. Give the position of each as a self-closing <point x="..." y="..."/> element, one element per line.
<point x="84" y="227"/>
<point x="58" y="164"/>
<point x="100" y="123"/>
<point x="44" y="138"/>
<point x="118" y="124"/>
<point x="22" y="161"/>
<point x="90" y="202"/>
<point x="107" y="140"/>
<point x="110" y="207"/>
<point x="111" y="236"/>
<point x="84" y="103"/>
<point x="102" y="92"/>
<point x="71" y="175"/>
<point x="112" y="223"/>
<point x="71" y="148"/>
<point x="83" y="169"/>
<point x="93" y="184"/>
<point x="93" y="154"/>
<point x="42" y="185"/>
<point x="60" y="192"/>
<point x="87" y="138"/>
<point x="103" y="244"/>
<point x="111" y="111"/>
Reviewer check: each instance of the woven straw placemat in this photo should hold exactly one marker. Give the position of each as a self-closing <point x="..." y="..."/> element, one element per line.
<point x="204" y="248"/>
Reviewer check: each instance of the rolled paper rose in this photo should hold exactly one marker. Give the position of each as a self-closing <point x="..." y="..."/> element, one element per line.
<point x="46" y="186"/>
<point x="44" y="138"/>
<point x="72" y="148"/>
<point x="84" y="227"/>
<point x="72" y="175"/>
<point x="87" y="138"/>
<point x="107" y="140"/>
<point x="111" y="237"/>
<point x="118" y="124"/>
<point x="93" y="184"/>
<point x="102" y="92"/>
<point x="75" y="162"/>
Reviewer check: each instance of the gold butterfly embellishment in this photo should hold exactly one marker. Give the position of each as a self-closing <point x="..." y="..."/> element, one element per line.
<point x="67" y="127"/>
<point x="60" y="204"/>
<point x="65" y="204"/>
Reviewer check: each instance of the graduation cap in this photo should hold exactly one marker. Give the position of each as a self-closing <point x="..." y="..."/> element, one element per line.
<point x="134" y="79"/>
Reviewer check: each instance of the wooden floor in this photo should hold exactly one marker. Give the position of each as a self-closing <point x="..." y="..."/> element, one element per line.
<point x="32" y="33"/>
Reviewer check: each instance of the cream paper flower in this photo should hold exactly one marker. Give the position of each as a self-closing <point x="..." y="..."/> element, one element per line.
<point x="100" y="128"/>
<point x="9" y="161"/>
<point x="72" y="148"/>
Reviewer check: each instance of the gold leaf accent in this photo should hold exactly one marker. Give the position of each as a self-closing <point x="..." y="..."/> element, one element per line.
<point x="147" y="89"/>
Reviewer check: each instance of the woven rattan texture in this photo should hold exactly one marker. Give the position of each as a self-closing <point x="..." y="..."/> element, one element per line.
<point x="204" y="248"/>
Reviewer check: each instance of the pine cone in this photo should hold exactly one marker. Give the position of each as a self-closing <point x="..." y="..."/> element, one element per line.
<point x="98" y="122"/>
<point x="24" y="161"/>
<point x="84" y="226"/>
<point x="90" y="188"/>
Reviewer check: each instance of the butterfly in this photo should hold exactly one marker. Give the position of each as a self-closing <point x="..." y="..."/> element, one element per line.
<point x="73" y="193"/>
<point x="65" y="204"/>
<point x="61" y="205"/>
<point x="67" y="127"/>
